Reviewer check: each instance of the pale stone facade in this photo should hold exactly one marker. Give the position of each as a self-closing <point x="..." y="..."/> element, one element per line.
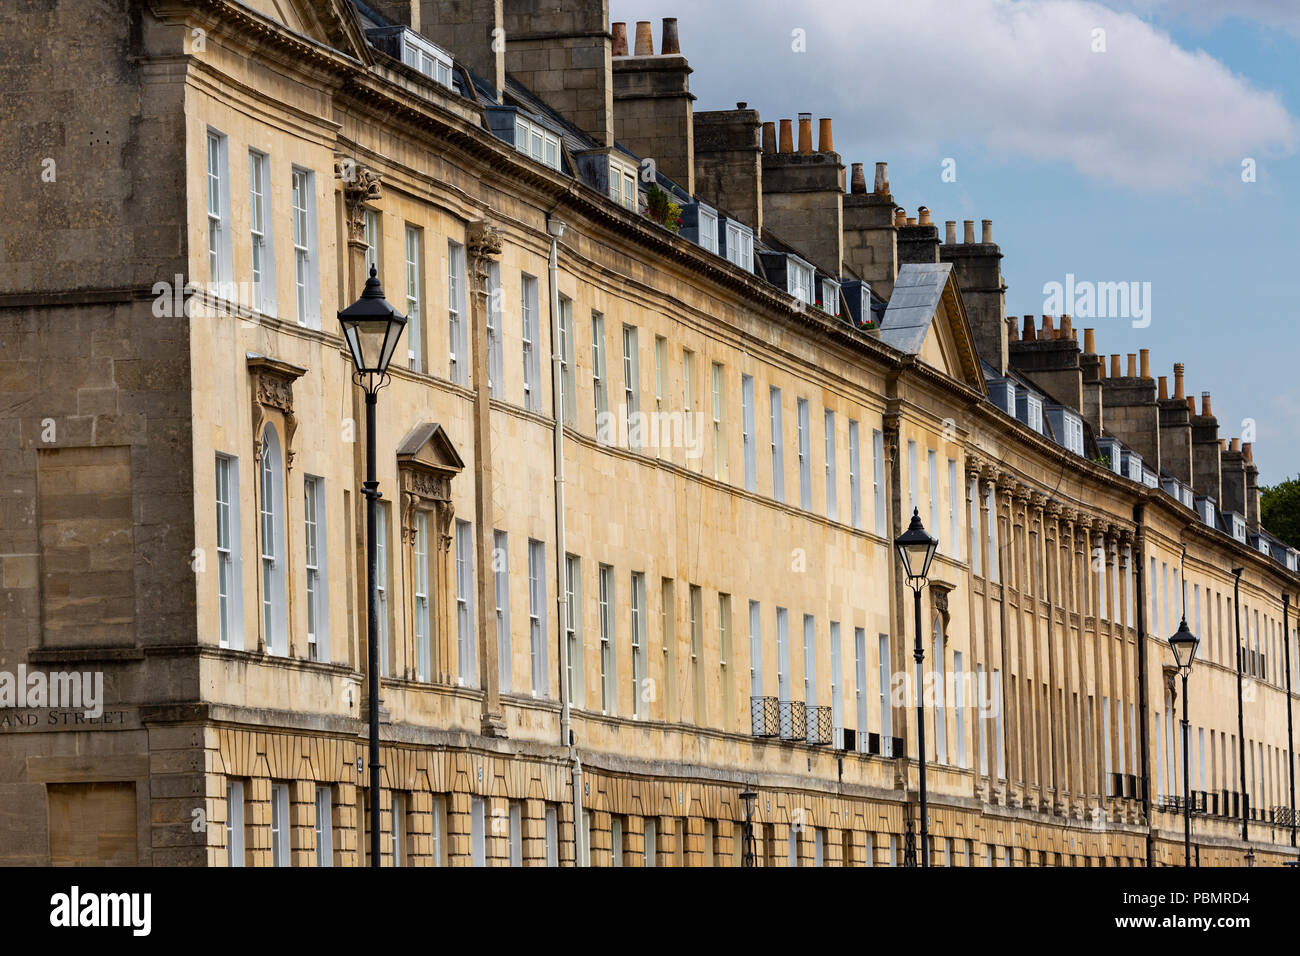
<point x="113" y="550"/>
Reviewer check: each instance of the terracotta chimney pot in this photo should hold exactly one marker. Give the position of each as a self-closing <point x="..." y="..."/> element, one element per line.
<point x="1114" y="366"/>
<point x="859" y="180"/>
<point x="1132" y="365"/>
<point x="645" y="41"/>
<point x="1163" y="382"/>
<point x="1205" y="404"/>
<point x="1144" y="357"/>
<point x="968" y="230"/>
<point x="620" y="39"/>
<point x="1090" y="341"/>
<point x="825" y="138"/>
<point x="1178" y="379"/>
<point x="805" y="133"/>
<point x="769" y="137"/>
<point x="671" y="44"/>
<point x="787" y="137"/>
<point x="987" y="225"/>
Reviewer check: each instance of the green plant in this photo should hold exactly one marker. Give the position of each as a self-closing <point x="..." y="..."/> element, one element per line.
<point x="1279" y="510"/>
<point x="661" y="208"/>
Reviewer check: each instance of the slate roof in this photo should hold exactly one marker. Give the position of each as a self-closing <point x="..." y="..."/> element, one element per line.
<point x="916" y="295"/>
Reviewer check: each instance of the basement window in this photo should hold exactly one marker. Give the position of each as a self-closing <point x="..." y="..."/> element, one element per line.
<point x="537" y="143"/>
<point x="419" y="53"/>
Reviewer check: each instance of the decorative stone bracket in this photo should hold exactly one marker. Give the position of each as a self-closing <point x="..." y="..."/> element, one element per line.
<point x="271" y="382"/>
<point x="361" y="185"/>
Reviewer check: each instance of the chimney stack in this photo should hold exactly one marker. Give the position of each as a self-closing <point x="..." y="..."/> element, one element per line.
<point x="1207" y="475"/>
<point x="653" y="104"/>
<point x="803" y="196"/>
<point x="870" y="235"/>
<point x="728" y="161"/>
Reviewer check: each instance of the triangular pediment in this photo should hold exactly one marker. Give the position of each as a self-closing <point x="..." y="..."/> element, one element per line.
<point x="427" y="445"/>
<point x="332" y="23"/>
<point x="926" y="318"/>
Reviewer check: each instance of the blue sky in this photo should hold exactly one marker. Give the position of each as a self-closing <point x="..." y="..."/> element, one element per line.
<point x="1116" y="156"/>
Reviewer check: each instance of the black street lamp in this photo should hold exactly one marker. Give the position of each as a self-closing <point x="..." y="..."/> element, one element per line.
<point x="916" y="548"/>
<point x="748" y="850"/>
<point x="1184" y="644"/>
<point x="372" y="328"/>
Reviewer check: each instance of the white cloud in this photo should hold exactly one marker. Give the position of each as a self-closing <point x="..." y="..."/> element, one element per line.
<point x="1013" y="79"/>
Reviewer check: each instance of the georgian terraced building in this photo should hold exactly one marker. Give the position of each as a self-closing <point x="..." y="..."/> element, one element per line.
<point x="640" y="478"/>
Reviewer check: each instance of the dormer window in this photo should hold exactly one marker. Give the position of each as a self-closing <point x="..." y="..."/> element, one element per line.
<point x="708" y="227"/>
<point x="1205" y="507"/>
<point x="831" y="296"/>
<point x="1029" y="409"/>
<point x="799" y="280"/>
<point x="739" y="245"/>
<point x="419" y="53"/>
<point x="1238" y="527"/>
<point x="622" y="184"/>
<point x="537" y="142"/>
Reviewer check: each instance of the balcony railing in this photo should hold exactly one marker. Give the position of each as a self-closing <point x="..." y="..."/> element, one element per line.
<point x="793" y="718"/>
<point x="817" y="722"/>
<point x="763" y="716"/>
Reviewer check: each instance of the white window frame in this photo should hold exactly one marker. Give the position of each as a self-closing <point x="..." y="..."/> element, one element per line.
<point x="458" y="358"/>
<point x="804" y="450"/>
<point x="638" y="639"/>
<point x="573" y="629"/>
<point x="531" y="343"/>
<point x="748" y="438"/>
<point x="381" y="586"/>
<point x="568" y="386"/>
<point x="878" y="478"/>
<point x="777" y="443"/>
<point x="306" y="268"/>
<point x="419" y="54"/>
<point x="708" y="229"/>
<point x="599" y="377"/>
<point x="235" y="823"/>
<point x="496" y="373"/>
<point x="718" y="383"/>
<point x="855" y="475"/>
<point x="467" y="664"/>
<point x="281" y="828"/>
<point x="275" y="624"/>
<point x="537" y="615"/>
<point x="501" y="588"/>
<point x="423" y="621"/>
<point x="261" y="232"/>
<point x="622" y="184"/>
<point x="537" y="142"/>
<point x="218" y="207"/>
<point x="316" y="551"/>
<point x="799" y="280"/>
<point x="632" y="386"/>
<point x="413" y="258"/>
<point x="230" y="590"/>
<point x="608" y="661"/>
<point x="324" y="826"/>
<point x="740" y="245"/>
<point x="373" y="237"/>
<point x="832" y="493"/>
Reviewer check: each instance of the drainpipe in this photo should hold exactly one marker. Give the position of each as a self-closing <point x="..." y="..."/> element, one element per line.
<point x="1140" y="553"/>
<point x="1290" y="746"/>
<point x="1241" y="719"/>
<point x="555" y="228"/>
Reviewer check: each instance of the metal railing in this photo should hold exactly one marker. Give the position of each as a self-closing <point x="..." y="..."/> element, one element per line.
<point x="817" y="723"/>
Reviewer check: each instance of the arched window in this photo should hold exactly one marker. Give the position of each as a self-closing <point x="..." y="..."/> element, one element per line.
<point x="275" y="630"/>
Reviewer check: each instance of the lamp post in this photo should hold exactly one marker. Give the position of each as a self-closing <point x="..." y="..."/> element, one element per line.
<point x="372" y="328"/>
<point x="1184" y="644"/>
<point x="916" y="548"/>
<point x="748" y="850"/>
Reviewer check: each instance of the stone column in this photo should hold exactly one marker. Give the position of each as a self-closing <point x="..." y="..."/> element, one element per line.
<point x="484" y="244"/>
<point x="1010" y="721"/>
<point x="992" y="778"/>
